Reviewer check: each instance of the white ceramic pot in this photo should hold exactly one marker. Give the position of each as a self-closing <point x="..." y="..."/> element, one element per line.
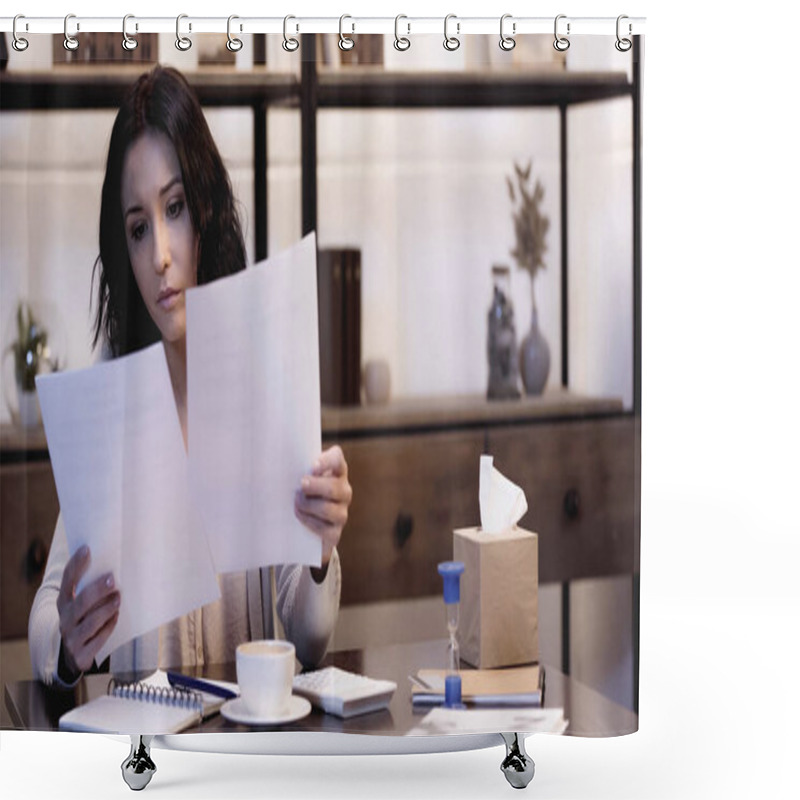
<point x="377" y="382"/>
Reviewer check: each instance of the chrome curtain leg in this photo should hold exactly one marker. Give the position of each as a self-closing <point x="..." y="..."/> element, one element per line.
<point x="517" y="766"/>
<point x="138" y="768"/>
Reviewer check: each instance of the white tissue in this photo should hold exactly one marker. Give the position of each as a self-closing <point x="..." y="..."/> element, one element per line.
<point x="502" y="503"/>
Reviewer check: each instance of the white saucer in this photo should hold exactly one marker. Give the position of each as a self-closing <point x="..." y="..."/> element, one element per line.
<point x="235" y="711"/>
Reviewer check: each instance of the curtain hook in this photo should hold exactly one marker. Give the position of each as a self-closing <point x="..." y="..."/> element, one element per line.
<point x="401" y="43"/>
<point x="70" y="42"/>
<point x="561" y="43"/>
<point x="233" y="44"/>
<point x="183" y="43"/>
<point x="290" y="44"/>
<point x="345" y="42"/>
<point x="623" y="45"/>
<point x="507" y="42"/>
<point x="451" y="43"/>
<point x="18" y="43"/>
<point x="128" y="42"/>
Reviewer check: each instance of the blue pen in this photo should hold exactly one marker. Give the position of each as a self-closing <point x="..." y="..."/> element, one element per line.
<point x="197" y="685"/>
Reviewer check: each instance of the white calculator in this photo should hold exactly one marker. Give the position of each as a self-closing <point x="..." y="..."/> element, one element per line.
<point x="343" y="693"/>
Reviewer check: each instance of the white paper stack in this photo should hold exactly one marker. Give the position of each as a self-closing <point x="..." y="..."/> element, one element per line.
<point x="164" y="522"/>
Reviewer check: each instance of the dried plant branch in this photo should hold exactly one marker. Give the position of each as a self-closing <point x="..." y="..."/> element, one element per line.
<point x="530" y="224"/>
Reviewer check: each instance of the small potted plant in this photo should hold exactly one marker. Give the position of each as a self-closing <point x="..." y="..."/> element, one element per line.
<point x="530" y="228"/>
<point x="31" y="356"/>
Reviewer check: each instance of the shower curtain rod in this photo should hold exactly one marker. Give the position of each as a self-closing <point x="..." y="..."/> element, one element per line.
<point x="293" y="25"/>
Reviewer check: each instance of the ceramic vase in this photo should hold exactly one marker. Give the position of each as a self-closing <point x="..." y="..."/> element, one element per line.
<point x="534" y="357"/>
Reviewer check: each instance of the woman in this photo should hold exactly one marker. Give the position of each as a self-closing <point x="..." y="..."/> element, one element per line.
<point x="167" y="223"/>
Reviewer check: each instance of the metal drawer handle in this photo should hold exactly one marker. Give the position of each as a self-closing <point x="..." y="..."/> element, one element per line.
<point x="572" y="503"/>
<point x="403" y="528"/>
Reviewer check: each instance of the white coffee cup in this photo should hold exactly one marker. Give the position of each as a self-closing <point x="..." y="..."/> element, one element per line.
<point x="264" y="670"/>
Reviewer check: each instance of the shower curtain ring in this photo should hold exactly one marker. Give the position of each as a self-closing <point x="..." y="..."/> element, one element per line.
<point x="451" y="43"/>
<point x="623" y="44"/>
<point x="128" y="42"/>
<point x="70" y="42"/>
<point x="233" y="44"/>
<point x="507" y="42"/>
<point x="289" y="44"/>
<point x="18" y="43"/>
<point x="345" y="42"/>
<point x="561" y="43"/>
<point x="401" y="43"/>
<point x="183" y="43"/>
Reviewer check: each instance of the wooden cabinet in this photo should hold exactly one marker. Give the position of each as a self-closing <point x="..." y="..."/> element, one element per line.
<point x="409" y="492"/>
<point x="414" y="468"/>
<point x="580" y="481"/>
<point x="28" y="514"/>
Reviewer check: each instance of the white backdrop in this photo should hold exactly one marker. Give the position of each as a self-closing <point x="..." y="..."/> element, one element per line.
<point x="720" y="605"/>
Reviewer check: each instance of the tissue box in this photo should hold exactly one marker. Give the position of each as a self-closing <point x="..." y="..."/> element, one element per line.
<point x="499" y="616"/>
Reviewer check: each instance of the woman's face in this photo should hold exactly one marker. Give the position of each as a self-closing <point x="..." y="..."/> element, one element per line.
<point x="162" y="243"/>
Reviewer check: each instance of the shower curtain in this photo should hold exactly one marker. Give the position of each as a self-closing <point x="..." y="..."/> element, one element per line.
<point x="478" y="222"/>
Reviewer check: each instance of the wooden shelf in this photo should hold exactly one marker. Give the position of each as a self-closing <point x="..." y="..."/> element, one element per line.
<point x="415" y="415"/>
<point x="87" y="87"/>
<point x="374" y="88"/>
<point x="409" y="415"/>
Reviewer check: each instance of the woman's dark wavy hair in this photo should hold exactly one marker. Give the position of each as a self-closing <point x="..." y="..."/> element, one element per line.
<point x="162" y="100"/>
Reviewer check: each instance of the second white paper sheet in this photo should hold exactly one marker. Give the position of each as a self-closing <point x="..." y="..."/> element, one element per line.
<point x="254" y="408"/>
<point x="120" y="469"/>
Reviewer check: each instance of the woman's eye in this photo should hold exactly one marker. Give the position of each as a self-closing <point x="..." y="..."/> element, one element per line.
<point x="174" y="209"/>
<point x="137" y="232"/>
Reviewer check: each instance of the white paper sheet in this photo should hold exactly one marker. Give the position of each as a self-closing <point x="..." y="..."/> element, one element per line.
<point x="122" y="479"/>
<point x="441" y="721"/>
<point x="254" y="408"/>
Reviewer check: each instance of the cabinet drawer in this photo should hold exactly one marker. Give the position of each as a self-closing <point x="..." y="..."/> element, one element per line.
<point x="583" y="494"/>
<point x="28" y="514"/>
<point x="409" y="493"/>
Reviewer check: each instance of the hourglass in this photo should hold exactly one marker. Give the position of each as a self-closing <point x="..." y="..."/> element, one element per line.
<point x="451" y="572"/>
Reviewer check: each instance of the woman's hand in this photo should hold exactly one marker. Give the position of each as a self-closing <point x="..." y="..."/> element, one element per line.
<point x="324" y="497"/>
<point x="87" y="619"/>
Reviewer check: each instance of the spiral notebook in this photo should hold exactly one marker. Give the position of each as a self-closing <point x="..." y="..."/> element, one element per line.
<point x="137" y="708"/>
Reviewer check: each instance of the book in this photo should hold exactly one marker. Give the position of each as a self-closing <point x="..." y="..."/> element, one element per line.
<point x="149" y="706"/>
<point x="514" y="686"/>
<point x="339" y="319"/>
<point x="330" y="292"/>
<point x="352" y="327"/>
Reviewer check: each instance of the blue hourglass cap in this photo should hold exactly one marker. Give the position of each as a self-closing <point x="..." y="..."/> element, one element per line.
<point x="451" y="572"/>
<point x="452" y="692"/>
